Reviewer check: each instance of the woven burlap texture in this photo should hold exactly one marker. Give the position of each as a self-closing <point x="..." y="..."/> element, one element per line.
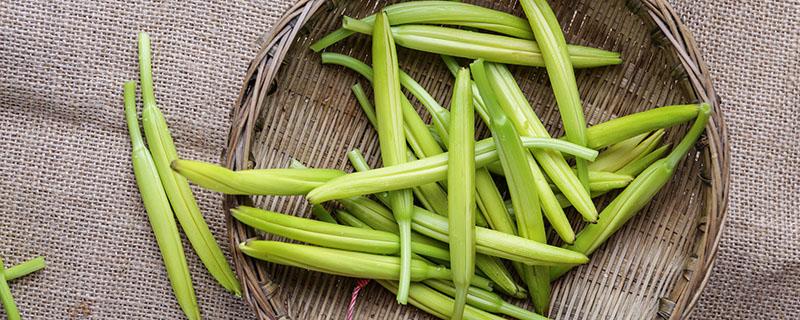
<point x="69" y="193"/>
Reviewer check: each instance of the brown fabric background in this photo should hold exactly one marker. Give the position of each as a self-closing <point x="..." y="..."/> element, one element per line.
<point x="69" y="194"/>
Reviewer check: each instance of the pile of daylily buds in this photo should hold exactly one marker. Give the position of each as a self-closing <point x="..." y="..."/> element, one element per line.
<point x="434" y="224"/>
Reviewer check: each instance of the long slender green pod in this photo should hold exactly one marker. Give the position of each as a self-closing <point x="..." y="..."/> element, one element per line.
<point x="390" y="119"/>
<point x="516" y="106"/>
<point x="524" y="195"/>
<point x="426" y="170"/>
<point x="461" y="190"/>
<point x="477" y="45"/>
<point x="331" y="235"/>
<point x="282" y="181"/>
<point x="24" y="269"/>
<point x="340" y="262"/>
<point x="488" y="197"/>
<point x="389" y="112"/>
<point x="625" y="127"/>
<point x="12" y="312"/>
<point x="159" y="212"/>
<point x="177" y="188"/>
<point x="558" y="63"/>
<point x="638" y="194"/>
<point x="441" y="12"/>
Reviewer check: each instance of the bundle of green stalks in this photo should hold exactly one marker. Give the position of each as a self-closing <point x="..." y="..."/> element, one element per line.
<point x="166" y="195"/>
<point x="432" y="225"/>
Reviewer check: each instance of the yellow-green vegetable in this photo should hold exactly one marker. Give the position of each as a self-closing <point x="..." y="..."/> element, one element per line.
<point x="461" y="190"/>
<point x="625" y="127"/>
<point x="515" y="161"/>
<point x="159" y="211"/>
<point x="177" y="188"/>
<point x="389" y="113"/>
<point x="441" y="12"/>
<point x="424" y="171"/>
<point x="490" y="201"/>
<point x="477" y="45"/>
<point x="558" y="63"/>
<point x="256" y="181"/>
<point x="340" y="262"/>
<point x="331" y="235"/>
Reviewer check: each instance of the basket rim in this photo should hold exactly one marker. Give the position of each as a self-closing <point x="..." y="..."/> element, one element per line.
<point x="677" y="304"/>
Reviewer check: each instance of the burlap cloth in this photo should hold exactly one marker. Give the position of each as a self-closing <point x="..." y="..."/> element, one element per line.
<point x="68" y="192"/>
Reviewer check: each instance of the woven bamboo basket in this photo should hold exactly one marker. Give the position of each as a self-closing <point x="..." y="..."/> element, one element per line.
<point x="291" y="106"/>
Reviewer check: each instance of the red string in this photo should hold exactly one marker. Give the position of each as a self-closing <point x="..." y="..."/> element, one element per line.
<point x="352" y="307"/>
